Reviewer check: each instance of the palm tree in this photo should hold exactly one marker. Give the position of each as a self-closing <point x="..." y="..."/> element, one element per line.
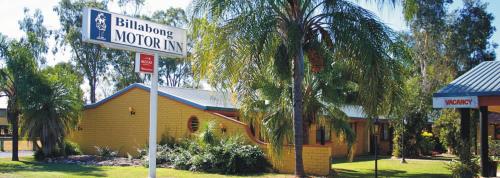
<point x="268" y="105"/>
<point x="51" y="116"/>
<point x="235" y="38"/>
<point x="8" y="88"/>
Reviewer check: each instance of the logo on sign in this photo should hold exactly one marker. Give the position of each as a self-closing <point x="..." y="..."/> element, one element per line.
<point x="100" y="26"/>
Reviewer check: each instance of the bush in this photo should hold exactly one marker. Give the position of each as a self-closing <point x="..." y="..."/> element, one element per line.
<point x="209" y="153"/>
<point x="461" y="170"/>
<point x="68" y="148"/>
<point x="428" y="143"/>
<point x="105" y="151"/>
<point x="39" y="156"/>
<point x="71" y="148"/>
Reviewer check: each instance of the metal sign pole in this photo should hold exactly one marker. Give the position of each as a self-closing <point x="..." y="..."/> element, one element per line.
<point x="153" y="112"/>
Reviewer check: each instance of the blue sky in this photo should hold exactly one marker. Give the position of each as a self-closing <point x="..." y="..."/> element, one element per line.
<point x="11" y="11"/>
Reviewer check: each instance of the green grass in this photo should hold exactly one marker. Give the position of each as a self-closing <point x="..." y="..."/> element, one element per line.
<point x="365" y="166"/>
<point x="27" y="167"/>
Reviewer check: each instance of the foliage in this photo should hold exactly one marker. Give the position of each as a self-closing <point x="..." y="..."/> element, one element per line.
<point x="13" y="77"/>
<point x="462" y="170"/>
<point x="36" y="34"/>
<point x="105" y="151"/>
<point x="8" y="89"/>
<point x="71" y="148"/>
<point x="209" y="153"/>
<point x="448" y="128"/>
<point x="327" y="34"/>
<point x="89" y="58"/>
<point x="428" y="143"/>
<point x="494" y="148"/>
<point x="51" y="116"/>
<point x="39" y="155"/>
<point x="469" y="36"/>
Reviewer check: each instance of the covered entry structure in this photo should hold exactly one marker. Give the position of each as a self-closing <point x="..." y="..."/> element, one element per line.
<point x="478" y="88"/>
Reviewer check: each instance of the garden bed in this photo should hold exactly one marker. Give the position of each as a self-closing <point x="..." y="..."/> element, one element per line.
<point x="98" y="161"/>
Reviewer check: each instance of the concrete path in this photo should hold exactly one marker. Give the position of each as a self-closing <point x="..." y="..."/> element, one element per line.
<point x="21" y="154"/>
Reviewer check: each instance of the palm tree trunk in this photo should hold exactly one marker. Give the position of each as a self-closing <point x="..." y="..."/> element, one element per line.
<point x="298" y="78"/>
<point x="13" y="117"/>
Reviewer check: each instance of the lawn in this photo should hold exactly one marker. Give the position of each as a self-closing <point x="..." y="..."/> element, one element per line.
<point x="365" y="166"/>
<point x="29" y="168"/>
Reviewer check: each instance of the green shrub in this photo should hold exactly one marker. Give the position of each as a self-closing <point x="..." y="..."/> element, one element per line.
<point x="71" y="148"/>
<point x="461" y="170"/>
<point x="209" y="153"/>
<point x="428" y="143"/>
<point x="39" y="156"/>
<point x="105" y="151"/>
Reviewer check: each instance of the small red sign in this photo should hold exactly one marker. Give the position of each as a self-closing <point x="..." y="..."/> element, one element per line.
<point x="146" y="63"/>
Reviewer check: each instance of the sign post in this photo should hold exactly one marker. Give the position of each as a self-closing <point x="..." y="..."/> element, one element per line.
<point x="153" y="111"/>
<point x="143" y="37"/>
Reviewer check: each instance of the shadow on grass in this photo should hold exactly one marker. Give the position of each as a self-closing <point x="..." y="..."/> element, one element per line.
<point x="73" y="169"/>
<point x="347" y="173"/>
<point x="362" y="171"/>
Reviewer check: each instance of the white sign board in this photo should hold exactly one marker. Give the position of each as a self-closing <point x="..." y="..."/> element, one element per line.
<point x="128" y="33"/>
<point x="455" y="102"/>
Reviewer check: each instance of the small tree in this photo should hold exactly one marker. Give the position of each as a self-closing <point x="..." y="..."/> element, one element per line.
<point x="51" y="115"/>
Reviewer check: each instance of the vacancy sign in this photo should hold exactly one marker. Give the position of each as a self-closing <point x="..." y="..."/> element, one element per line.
<point x="455" y="102"/>
<point x="144" y="63"/>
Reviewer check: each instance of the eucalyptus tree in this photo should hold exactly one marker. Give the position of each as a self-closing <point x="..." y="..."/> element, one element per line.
<point x="233" y="39"/>
<point x="469" y="40"/>
<point x="36" y="34"/>
<point x="90" y="58"/>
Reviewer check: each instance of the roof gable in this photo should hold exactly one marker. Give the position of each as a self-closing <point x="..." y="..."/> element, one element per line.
<point x="201" y="99"/>
<point x="207" y="100"/>
<point x="482" y="80"/>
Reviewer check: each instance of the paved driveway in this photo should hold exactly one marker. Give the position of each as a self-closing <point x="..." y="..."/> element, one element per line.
<point x="21" y="154"/>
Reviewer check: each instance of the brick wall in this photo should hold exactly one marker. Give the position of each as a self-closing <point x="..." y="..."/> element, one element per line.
<point x="111" y="124"/>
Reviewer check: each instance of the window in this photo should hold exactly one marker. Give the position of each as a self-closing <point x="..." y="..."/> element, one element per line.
<point x="193" y="124"/>
<point x="3" y="113"/>
<point x="323" y="135"/>
<point x="497" y="131"/>
<point x="385" y="131"/>
<point x="354" y="127"/>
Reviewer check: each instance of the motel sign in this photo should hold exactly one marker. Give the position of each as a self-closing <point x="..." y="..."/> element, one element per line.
<point x="149" y="40"/>
<point x="128" y="33"/>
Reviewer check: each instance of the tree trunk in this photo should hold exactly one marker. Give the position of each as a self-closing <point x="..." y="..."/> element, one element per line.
<point x="464" y="153"/>
<point x="92" y="84"/>
<point x="14" y="119"/>
<point x="298" y="78"/>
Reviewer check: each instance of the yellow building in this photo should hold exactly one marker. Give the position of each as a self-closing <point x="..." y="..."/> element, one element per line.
<point x="121" y="121"/>
<point x="4" y="124"/>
